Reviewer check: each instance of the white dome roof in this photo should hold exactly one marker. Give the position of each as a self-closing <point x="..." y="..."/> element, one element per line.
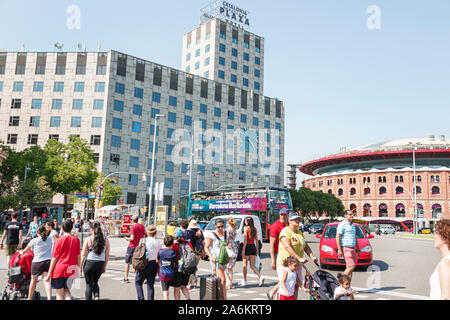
<point x="440" y="141"/>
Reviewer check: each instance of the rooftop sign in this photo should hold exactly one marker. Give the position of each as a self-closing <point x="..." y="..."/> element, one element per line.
<point x="228" y="12"/>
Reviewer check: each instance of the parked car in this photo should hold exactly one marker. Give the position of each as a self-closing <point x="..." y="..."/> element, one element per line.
<point x="329" y="252"/>
<point x="316" y="228"/>
<point x="239" y="229"/>
<point x="306" y="227"/>
<point x="425" y="231"/>
<point x="387" y="230"/>
<point x="202" y="224"/>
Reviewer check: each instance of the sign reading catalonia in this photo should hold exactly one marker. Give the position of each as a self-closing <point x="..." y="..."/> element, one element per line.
<point x="227" y="12"/>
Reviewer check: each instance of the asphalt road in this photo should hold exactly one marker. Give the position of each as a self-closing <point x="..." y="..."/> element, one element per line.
<point x="402" y="270"/>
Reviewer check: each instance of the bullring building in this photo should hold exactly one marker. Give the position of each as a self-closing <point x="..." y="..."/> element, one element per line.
<point x="111" y="99"/>
<point x="377" y="181"/>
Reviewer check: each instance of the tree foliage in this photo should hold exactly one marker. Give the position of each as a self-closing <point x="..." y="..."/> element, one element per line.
<point x="315" y="203"/>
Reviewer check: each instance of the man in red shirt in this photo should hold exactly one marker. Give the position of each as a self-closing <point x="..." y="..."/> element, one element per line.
<point x="65" y="263"/>
<point x="137" y="232"/>
<point x="275" y="231"/>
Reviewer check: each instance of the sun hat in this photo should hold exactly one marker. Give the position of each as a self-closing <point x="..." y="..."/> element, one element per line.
<point x="285" y="211"/>
<point x="293" y="216"/>
<point x="193" y="225"/>
<point x="151" y="229"/>
<point x="178" y="233"/>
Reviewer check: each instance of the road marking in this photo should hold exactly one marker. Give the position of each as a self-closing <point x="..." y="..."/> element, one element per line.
<point x="391" y="293"/>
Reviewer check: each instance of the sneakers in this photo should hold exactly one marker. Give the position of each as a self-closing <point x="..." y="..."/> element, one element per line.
<point x="125" y="281"/>
<point x="261" y="281"/>
<point x="243" y="283"/>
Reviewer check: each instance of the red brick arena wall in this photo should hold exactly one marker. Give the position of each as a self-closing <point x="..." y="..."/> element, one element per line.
<point x="361" y="191"/>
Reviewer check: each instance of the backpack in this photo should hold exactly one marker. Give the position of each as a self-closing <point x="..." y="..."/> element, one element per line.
<point x="188" y="260"/>
<point x="139" y="259"/>
<point x="199" y="248"/>
<point x="223" y="257"/>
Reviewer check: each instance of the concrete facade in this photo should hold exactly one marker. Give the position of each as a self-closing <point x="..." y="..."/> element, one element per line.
<point x="111" y="99"/>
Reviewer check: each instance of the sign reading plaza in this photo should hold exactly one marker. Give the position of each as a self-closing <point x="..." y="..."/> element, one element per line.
<point x="227" y="12"/>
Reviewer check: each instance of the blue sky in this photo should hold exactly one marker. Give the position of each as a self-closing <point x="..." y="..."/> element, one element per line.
<point x="342" y="84"/>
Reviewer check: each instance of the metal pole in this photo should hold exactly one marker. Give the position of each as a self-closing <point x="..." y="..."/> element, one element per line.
<point x="151" y="175"/>
<point x="415" y="190"/>
<point x="190" y="175"/>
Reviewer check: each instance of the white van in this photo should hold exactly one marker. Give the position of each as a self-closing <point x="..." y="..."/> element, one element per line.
<point x="239" y="229"/>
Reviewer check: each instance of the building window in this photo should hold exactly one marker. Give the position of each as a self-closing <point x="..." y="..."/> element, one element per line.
<point x="187" y="120"/>
<point x="117" y="123"/>
<point x="172" y="117"/>
<point x="96" y="140"/>
<point x="234" y="52"/>
<point x="135" y="144"/>
<point x="137" y="110"/>
<point x="53" y="137"/>
<point x="136" y="126"/>
<point x="96" y="122"/>
<point x="32" y="139"/>
<point x="399" y="190"/>
<point x="168" y="183"/>
<point x="134" y="162"/>
<point x="58" y="87"/>
<point x="14" y="121"/>
<point x="55" y="122"/>
<point x="77" y="104"/>
<point x="155" y="112"/>
<point x="246" y="56"/>
<point x="34" y="121"/>
<point x="257" y="61"/>
<point x="139" y="93"/>
<point x="382" y="190"/>
<point x="230" y="115"/>
<point x="221" y="74"/>
<point x="118" y="105"/>
<point x="132" y="179"/>
<point x="352" y="191"/>
<point x="36" y="103"/>
<point x="78" y="87"/>
<point x="188" y="104"/>
<point x="243" y="118"/>
<point x="98" y="104"/>
<point x="233" y="78"/>
<point x="173" y="101"/>
<point x="217" y="112"/>
<point x="38" y="86"/>
<point x="120" y="88"/>
<point x="116" y="141"/>
<point x="156" y="97"/>
<point x="203" y="108"/>
<point x="435" y="190"/>
<point x="75" y="122"/>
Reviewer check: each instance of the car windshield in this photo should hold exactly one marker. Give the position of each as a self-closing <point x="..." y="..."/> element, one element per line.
<point x="317" y="225"/>
<point x="212" y="224"/>
<point x="330" y="233"/>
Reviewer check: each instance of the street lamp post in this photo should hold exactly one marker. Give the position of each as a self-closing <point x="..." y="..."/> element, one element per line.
<point x="190" y="175"/>
<point x="27" y="168"/>
<point x="158" y="116"/>
<point x="415" y="186"/>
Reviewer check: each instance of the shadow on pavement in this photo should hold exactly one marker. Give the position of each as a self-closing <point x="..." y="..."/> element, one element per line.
<point x="381" y="264"/>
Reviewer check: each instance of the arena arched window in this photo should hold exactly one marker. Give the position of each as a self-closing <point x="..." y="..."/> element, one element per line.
<point x="400" y="211"/>
<point x="418" y="190"/>
<point x="432" y="179"/>
<point x="330" y="191"/>
<point x="352" y="191"/>
<point x="340" y="192"/>
<point x="419" y="210"/>
<point x="396" y="178"/>
<point x="435" y="190"/>
<point x="436" y="210"/>
<point x="438" y="179"/>
<point x="384" y="179"/>
<point x="383" y="190"/>
<point x="380" y="179"/>
<point x="399" y="190"/>
<point x="383" y="210"/>
<point x="353" y="208"/>
<point x="367" y="210"/>
<point x="366" y="191"/>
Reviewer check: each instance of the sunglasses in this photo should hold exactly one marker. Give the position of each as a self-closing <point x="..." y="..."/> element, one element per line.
<point x="219" y="227"/>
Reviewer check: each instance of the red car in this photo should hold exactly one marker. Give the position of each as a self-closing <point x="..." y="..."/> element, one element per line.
<point x="328" y="247"/>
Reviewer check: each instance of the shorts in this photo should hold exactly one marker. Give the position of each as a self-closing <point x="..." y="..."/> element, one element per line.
<point x="10" y="249"/>
<point x="284" y="298"/>
<point x="349" y="256"/>
<point x="165" y="285"/>
<point x="38" y="268"/>
<point x="129" y="255"/>
<point x="250" y="250"/>
<point x="60" y="283"/>
<point x="180" y="280"/>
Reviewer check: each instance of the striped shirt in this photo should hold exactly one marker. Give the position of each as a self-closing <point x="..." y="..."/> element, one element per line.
<point x="347" y="231"/>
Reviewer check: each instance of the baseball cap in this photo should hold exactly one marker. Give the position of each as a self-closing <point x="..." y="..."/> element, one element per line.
<point x="178" y="233"/>
<point x="285" y="211"/>
<point x="293" y="216"/>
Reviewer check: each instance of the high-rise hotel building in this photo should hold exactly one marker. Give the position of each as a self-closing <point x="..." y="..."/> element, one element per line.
<point x="111" y="99"/>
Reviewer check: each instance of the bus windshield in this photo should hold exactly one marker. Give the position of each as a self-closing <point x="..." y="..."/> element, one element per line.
<point x="279" y="199"/>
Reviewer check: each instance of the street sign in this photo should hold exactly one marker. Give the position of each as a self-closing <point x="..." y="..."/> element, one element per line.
<point x="101" y="187"/>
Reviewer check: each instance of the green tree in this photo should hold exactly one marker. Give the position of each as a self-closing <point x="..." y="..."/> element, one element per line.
<point x="71" y="167"/>
<point x="311" y="203"/>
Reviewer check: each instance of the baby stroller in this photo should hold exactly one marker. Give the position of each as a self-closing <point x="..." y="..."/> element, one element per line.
<point x="19" y="278"/>
<point x="321" y="284"/>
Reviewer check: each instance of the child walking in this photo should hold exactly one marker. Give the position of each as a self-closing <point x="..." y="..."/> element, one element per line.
<point x="289" y="279"/>
<point x="343" y="292"/>
<point x="167" y="260"/>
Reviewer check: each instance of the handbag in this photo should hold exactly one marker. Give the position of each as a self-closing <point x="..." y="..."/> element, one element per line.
<point x="231" y="253"/>
<point x="16" y="275"/>
<point x="258" y="263"/>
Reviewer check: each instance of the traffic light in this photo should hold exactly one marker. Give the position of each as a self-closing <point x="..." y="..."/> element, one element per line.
<point x="175" y="209"/>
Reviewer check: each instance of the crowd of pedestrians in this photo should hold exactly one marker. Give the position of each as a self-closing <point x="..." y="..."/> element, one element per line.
<point x="59" y="259"/>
